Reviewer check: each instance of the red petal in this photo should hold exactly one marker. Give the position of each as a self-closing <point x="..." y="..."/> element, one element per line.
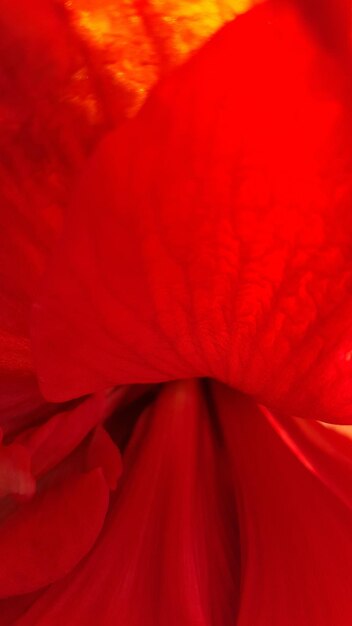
<point x="44" y="136"/>
<point x="15" y="471"/>
<point x="103" y="453"/>
<point x="43" y="540"/>
<point x="295" y="528"/>
<point x="212" y="234"/>
<point x="169" y="551"/>
<point x="331" y="19"/>
<point x="12" y="609"/>
<point x="326" y="450"/>
<point x="59" y="436"/>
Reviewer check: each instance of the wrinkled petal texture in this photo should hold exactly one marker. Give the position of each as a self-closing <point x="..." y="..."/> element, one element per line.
<point x="209" y="237"/>
<point x="211" y="234"/>
<point x="68" y="72"/>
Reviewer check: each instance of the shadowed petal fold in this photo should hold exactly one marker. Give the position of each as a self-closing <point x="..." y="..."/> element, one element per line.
<point x="48" y="527"/>
<point x="169" y="551"/>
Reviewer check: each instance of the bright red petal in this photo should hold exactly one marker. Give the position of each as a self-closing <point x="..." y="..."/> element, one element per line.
<point x="295" y="526"/>
<point x="211" y="236"/>
<point x="325" y="449"/>
<point x="169" y="551"/>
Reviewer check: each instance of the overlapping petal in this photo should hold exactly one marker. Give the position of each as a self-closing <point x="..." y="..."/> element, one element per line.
<point x="211" y="234"/>
<point x="35" y="60"/>
<point x="15" y="471"/>
<point x="43" y="540"/>
<point x="199" y="461"/>
<point x="294" y="525"/>
<point x="169" y="551"/>
<point x="67" y="73"/>
<point x="210" y="237"/>
<point x="76" y="464"/>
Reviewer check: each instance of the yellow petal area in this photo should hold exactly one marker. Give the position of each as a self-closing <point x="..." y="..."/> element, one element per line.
<point x="137" y="41"/>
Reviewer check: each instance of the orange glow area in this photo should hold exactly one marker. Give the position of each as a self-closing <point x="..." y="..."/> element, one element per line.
<point x="342" y="429"/>
<point x="138" y="41"/>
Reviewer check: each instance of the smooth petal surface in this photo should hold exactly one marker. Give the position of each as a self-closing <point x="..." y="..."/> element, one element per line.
<point x="13" y="608"/>
<point x="324" y="449"/>
<point x="295" y="527"/>
<point x="102" y="453"/>
<point x="211" y="235"/>
<point x="169" y="551"/>
<point x="15" y="471"/>
<point x="331" y="20"/>
<point x="44" y="539"/>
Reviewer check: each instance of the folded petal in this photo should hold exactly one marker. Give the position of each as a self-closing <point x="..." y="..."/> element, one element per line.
<point x="51" y="442"/>
<point x="11" y="609"/>
<point x="102" y="453"/>
<point x="41" y="541"/>
<point x="295" y="527"/>
<point x="211" y="235"/>
<point x="325" y="449"/>
<point x="169" y="551"/>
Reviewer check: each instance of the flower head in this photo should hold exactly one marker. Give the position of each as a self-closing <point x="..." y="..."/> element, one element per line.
<point x="195" y="319"/>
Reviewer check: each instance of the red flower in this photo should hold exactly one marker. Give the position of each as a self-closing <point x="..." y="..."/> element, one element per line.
<point x="203" y="277"/>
